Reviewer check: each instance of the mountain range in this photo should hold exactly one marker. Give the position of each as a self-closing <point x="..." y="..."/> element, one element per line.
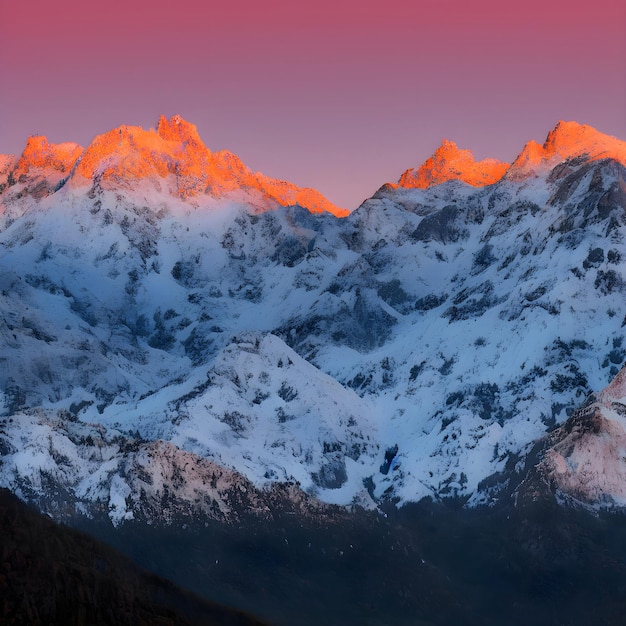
<point x="183" y="338"/>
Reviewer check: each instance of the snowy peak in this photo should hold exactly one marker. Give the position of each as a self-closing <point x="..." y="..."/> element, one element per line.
<point x="40" y="168"/>
<point x="178" y="129"/>
<point x="286" y="194"/>
<point x="40" y="153"/>
<point x="124" y="155"/>
<point x="175" y="150"/>
<point x="450" y="163"/>
<point x="567" y="140"/>
<point x="172" y="160"/>
<point x="570" y="139"/>
<point x="416" y="349"/>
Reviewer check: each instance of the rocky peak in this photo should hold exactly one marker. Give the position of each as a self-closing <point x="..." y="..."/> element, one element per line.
<point x="451" y="163"/>
<point x="121" y="157"/>
<point x="570" y="139"/>
<point x="42" y="168"/>
<point x="40" y="153"/>
<point x="567" y="140"/>
<point x="124" y="155"/>
<point x="178" y="129"/>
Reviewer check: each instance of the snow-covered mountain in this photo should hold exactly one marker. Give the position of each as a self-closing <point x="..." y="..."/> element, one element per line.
<point x="152" y="166"/>
<point x="177" y="331"/>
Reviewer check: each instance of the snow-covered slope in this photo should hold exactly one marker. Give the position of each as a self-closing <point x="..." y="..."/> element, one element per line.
<point x="411" y="349"/>
<point x="69" y="467"/>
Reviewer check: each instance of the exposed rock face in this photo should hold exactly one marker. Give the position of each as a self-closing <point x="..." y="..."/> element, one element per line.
<point x="7" y="165"/>
<point x="7" y="162"/>
<point x="614" y="396"/>
<point x="179" y="130"/>
<point x="73" y="469"/>
<point x="585" y="459"/>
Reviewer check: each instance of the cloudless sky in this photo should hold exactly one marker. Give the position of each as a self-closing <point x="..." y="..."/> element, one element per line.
<point x="340" y="95"/>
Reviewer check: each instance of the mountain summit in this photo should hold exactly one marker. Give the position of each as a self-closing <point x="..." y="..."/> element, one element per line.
<point x="566" y="141"/>
<point x="450" y="163"/>
<point x="171" y="159"/>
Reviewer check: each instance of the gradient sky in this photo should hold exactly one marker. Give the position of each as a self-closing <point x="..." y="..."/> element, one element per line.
<point x="340" y="95"/>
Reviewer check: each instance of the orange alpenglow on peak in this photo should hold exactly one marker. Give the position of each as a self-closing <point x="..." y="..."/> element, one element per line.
<point x="40" y="153"/>
<point x="450" y="163"/>
<point x="40" y="169"/>
<point x="570" y="139"/>
<point x="174" y="151"/>
<point x="566" y="141"/>
<point x="129" y="153"/>
<point x="178" y="129"/>
<point x="7" y="163"/>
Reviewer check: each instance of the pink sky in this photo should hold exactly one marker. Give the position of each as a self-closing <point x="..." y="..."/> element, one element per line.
<point x="340" y="95"/>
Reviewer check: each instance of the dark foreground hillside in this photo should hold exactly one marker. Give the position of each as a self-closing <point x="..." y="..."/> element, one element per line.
<point x="52" y="575"/>
<point x="425" y="564"/>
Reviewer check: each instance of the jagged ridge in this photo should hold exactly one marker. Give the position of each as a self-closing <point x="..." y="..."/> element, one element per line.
<point x="172" y="158"/>
<point x="566" y="141"/>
